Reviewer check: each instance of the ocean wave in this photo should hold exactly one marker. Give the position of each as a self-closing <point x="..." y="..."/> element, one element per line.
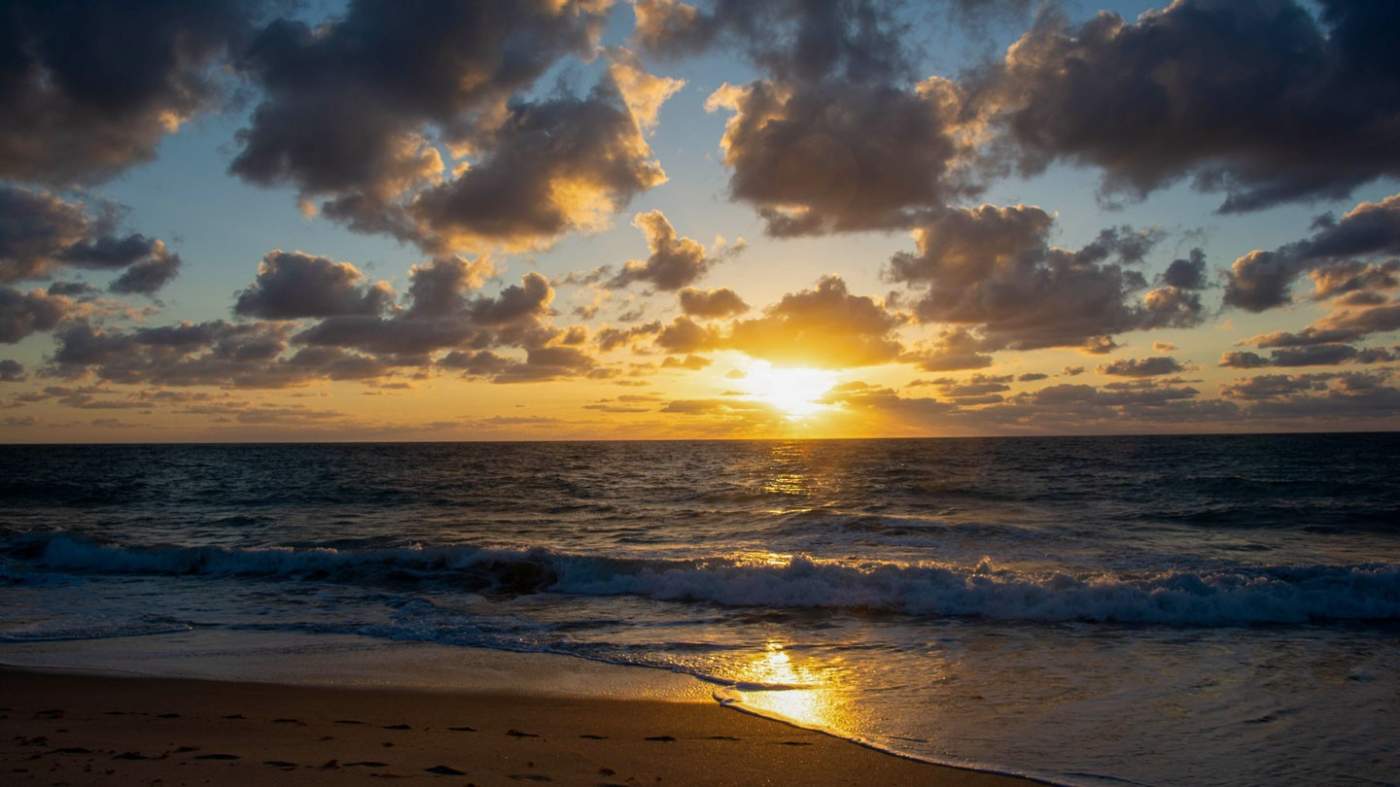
<point x="1226" y="597"/>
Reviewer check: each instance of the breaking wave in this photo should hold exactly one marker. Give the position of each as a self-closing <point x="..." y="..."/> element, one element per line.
<point x="1289" y="594"/>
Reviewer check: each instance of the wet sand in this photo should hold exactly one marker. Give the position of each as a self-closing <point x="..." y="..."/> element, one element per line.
<point x="76" y="729"/>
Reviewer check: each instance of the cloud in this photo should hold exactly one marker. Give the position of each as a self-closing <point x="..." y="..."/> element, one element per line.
<point x="209" y="353"/>
<point x="1124" y="406"/>
<point x="11" y="371"/>
<point x="954" y="349"/>
<point x="1188" y="273"/>
<point x="711" y="304"/>
<point x="692" y="362"/>
<point x="1261" y="280"/>
<point x="1143" y="367"/>
<point x="357" y="114"/>
<point x="546" y="363"/>
<point x="992" y="269"/>
<point x="792" y="40"/>
<point x="644" y="93"/>
<point x="609" y="338"/>
<point x="292" y="285"/>
<point x="440" y="315"/>
<point x="674" y="261"/>
<point x="1255" y="98"/>
<point x="1356" y="396"/>
<point x="1308" y="355"/>
<point x="842" y="156"/>
<point x="25" y="313"/>
<point x="41" y="234"/>
<point x="551" y="166"/>
<point x="91" y="88"/>
<point x="684" y="335"/>
<point x="825" y="327"/>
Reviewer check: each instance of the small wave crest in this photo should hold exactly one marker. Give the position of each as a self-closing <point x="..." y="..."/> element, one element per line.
<point x="1225" y="597"/>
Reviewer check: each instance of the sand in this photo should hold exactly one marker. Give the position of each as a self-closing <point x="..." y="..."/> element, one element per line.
<point x="76" y="729"/>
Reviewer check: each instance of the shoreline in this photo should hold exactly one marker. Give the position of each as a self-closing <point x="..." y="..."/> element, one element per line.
<point x="85" y="728"/>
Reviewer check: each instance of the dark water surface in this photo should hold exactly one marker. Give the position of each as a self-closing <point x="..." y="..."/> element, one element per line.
<point x="1165" y="610"/>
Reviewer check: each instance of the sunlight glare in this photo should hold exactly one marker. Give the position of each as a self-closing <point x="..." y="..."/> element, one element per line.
<point x="796" y="392"/>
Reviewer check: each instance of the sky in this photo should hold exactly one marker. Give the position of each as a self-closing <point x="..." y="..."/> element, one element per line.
<point x="251" y="220"/>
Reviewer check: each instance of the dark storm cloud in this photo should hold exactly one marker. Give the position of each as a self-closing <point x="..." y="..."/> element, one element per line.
<point x="1143" y="367"/>
<point x="709" y="304"/>
<point x="293" y="285"/>
<point x="1254" y="98"/>
<point x="674" y="261"/>
<point x="1262" y="280"/>
<point x="41" y="233"/>
<point x="993" y="269"/>
<point x="90" y="87"/>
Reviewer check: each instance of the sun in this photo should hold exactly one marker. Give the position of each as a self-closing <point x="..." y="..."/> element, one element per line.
<point x="797" y="392"/>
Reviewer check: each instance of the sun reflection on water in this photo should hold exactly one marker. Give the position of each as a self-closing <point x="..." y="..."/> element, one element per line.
<point x="806" y="696"/>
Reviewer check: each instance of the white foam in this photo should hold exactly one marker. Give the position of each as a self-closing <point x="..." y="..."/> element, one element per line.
<point x="1228" y="596"/>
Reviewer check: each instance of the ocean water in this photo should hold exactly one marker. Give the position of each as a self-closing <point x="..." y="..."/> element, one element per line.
<point x="1154" y="610"/>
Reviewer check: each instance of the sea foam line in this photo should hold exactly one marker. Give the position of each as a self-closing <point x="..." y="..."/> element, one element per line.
<point x="1225" y="597"/>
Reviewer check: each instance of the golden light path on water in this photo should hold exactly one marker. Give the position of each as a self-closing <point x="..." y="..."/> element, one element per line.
<point x="807" y="699"/>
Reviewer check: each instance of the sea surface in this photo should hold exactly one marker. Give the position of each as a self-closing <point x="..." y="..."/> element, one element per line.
<point x="1152" y="610"/>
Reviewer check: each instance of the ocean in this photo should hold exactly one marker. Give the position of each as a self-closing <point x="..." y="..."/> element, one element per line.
<point x="1219" y="610"/>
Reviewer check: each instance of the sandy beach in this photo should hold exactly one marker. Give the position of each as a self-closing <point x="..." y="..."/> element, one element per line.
<point x="76" y="729"/>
